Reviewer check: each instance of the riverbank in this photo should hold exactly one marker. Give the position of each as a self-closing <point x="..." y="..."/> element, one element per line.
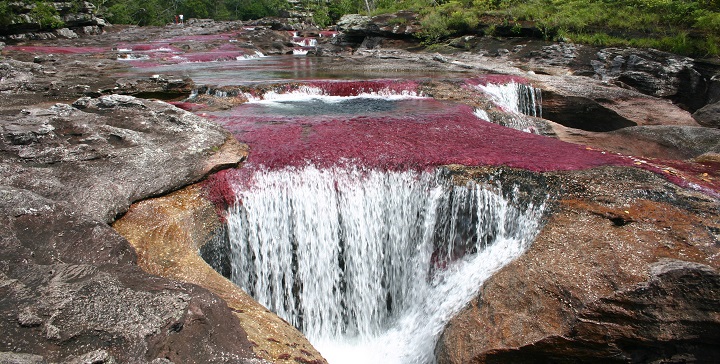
<point x="79" y="149"/>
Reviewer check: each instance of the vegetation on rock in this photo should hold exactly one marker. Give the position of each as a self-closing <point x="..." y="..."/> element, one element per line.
<point x="688" y="27"/>
<point x="681" y="26"/>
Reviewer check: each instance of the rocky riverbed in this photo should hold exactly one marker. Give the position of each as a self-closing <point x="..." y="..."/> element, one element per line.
<point x="625" y="267"/>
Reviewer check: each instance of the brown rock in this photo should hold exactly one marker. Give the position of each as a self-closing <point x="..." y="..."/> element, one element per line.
<point x="625" y="270"/>
<point x="167" y="232"/>
<point x="70" y="289"/>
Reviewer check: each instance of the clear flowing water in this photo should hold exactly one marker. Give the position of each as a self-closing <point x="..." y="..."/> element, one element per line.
<point x="237" y="70"/>
<point x="371" y="264"/>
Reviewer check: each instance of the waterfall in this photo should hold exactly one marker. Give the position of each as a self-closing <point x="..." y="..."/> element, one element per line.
<point x="516" y="97"/>
<point x="333" y="91"/>
<point x="518" y="100"/>
<point x="371" y="265"/>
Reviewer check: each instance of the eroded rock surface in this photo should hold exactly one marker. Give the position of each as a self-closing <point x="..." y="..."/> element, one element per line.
<point x="70" y="289"/>
<point x="654" y="73"/>
<point x="169" y="231"/>
<point x="625" y="270"/>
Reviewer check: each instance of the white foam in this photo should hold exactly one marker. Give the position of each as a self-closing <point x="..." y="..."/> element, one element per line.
<point x="371" y="265"/>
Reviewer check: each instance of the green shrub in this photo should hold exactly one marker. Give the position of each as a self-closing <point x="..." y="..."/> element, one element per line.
<point x="709" y="21"/>
<point x="45" y="14"/>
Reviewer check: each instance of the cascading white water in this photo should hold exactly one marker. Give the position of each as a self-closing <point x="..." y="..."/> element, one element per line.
<point x="516" y="97"/>
<point x="371" y="265"/>
<point x="312" y="92"/>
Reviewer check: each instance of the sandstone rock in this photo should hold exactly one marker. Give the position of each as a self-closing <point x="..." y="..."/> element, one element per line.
<point x="167" y="232"/>
<point x="582" y="113"/>
<point x="71" y="14"/>
<point x="21" y="358"/>
<point x="70" y="285"/>
<point x="714" y="90"/>
<point x="354" y="24"/>
<point x="709" y="115"/>
<point x="156" y="85"/>
<point x="687" y="141"/>
<point x="71" y="289"/>
<point x="559" y="54"/>
<point x="97" y="356"/>
<point x="49" y="148"/>
<point x="625" y="270"/>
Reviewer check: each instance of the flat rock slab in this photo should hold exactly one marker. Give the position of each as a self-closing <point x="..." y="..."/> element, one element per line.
<point x="70" y="289"/>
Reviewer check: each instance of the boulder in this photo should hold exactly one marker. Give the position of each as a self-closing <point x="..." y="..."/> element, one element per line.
<point x="66" y="33"/>
<point x="71" y="290"/>
<point x="355" y="24"/>
<point x="709" y="115"/>
<point x="653" y="73"/>
<point x="625" y="270"/>
<point x="157" y="86"/>
<point x="403" y="24"/>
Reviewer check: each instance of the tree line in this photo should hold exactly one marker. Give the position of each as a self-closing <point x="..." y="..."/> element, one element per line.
<point x="690" y="27"/>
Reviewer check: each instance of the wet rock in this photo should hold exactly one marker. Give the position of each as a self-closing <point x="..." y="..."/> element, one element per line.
<point x="167" y="232"/>
<point x="709" y="115"/>
<point x="625" y="270"/>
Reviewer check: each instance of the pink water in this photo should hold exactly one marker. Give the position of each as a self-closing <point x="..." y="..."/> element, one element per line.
<point x="417" y="134"/>
<point x="452" y="134"/>
<point x="413" y="133"/>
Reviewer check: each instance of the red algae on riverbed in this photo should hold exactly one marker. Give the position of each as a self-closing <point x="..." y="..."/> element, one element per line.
<point x="431" y="135"/>
<point x="453" y="135"/>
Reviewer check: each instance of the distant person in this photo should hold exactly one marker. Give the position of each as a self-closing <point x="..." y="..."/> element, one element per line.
<point x="181" y="19"/>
